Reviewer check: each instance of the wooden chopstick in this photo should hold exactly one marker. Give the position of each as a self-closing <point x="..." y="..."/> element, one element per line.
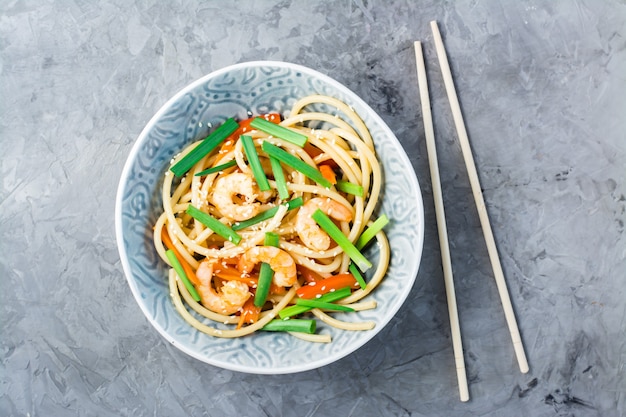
<point x="441" y="224"/>
<point x="478" y="198"/>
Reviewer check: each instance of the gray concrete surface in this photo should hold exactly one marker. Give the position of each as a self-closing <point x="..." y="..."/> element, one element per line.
<point x="543" y="90"/>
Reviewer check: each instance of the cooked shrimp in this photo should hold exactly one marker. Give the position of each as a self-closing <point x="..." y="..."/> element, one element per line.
<point x="310" y="233"/>
<point x="281" y="262"/>
<point x="231" y="298"/>
<point x="234" y="196"/>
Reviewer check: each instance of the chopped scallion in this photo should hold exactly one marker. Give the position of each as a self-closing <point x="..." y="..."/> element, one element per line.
<point x="315" y="303"/>
<point x="171" y="256"/>
<point x="255" y="163"/>
<point x="280" y="132"/>
<point x="357" y="275"/>
<point x="214" y="224"/>
<point x="217" y="168"/>
<point x="206" y="146"/>
<point x="279" y="178"/>
<point x="263" y="287"/>
<point x="296" y="163"/>
<point x="337" y="235"/>
<point x="291" y="325"/>
<point x="371" y="231"/>
<point x="267" y="214"/>
<point x="265" y="273"/>
<point x="330" y="297"/>
<point x="271" y="239"/>
<point x="350" y="188"/>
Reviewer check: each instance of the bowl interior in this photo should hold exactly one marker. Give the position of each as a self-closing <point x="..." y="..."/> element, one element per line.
<point x="238" y="91"/>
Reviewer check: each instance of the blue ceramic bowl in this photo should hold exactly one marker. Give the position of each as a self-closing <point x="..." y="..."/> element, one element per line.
<point x="257" y="87"/>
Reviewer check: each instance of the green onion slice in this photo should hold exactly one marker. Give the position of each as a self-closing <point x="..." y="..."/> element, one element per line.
<point x="206" y="146"/>
<point x="267" y="214"/>
<point x="371" y="231"/>
<point x="217" y="168"/>
<point x="330" y="297"/>
<point x="271" y="239"/>
<point x="214" y="224"/>
<point x="322" y="305"/>
<point x="296" y="163"/>
<point x="255" y="163"/>
<point x="291" y="325"/>
<point x="265" y="273"/>
<point x="337" y="235"/>
<point x="357" y="275"/>
<point x="280" y="132"/>
<point x="279" y="178"/>
<point x="350" y="188"/>
<point x="181" y="274"/>
<point x="263" y="287"/>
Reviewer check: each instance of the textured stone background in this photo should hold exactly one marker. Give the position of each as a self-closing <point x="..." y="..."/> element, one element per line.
<point x="543" y="89"/>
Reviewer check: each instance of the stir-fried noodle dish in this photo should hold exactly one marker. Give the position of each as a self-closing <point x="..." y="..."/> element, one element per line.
<point x="265" y="221"/>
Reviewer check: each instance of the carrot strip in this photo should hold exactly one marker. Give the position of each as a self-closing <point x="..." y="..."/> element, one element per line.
<point x="249" y="314"/>
<point x="328" y="173"/>
<point x="326" y="285"/>
<point x="309" y="275"/>
<point x="249" y="281"/>
<point x="277" y="289"/>
<point x="228" y="273"/>
<point x="313" y="151"/>
<point x="191" y="274"/>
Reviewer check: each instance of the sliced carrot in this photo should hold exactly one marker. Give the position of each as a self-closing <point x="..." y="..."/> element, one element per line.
<point x="228" y="273"/>
<point x="328" y="173"/>
<point x="312" y="150"/>
<point x="326" y="285"/>
<point x="230" y="261"/>
<point x="309" y="275"/>
<point x="249" y="314"/>
<point x="277" y="289"/>
<point x="191" y="274"/>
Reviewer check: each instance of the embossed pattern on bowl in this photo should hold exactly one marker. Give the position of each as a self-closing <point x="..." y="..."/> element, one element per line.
<point x="257" y="87"/>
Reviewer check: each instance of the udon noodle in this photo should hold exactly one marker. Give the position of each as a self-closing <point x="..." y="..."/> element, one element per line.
<point x="241" y="178"/>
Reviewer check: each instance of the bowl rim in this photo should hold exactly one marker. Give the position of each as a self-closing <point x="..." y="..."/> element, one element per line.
<point x="127" y="270"/>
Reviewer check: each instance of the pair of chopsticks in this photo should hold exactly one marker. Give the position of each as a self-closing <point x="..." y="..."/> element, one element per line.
<point x="440" y="213"/>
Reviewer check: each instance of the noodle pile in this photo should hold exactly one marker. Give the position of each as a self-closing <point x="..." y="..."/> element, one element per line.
<point x="331" y="141"/>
